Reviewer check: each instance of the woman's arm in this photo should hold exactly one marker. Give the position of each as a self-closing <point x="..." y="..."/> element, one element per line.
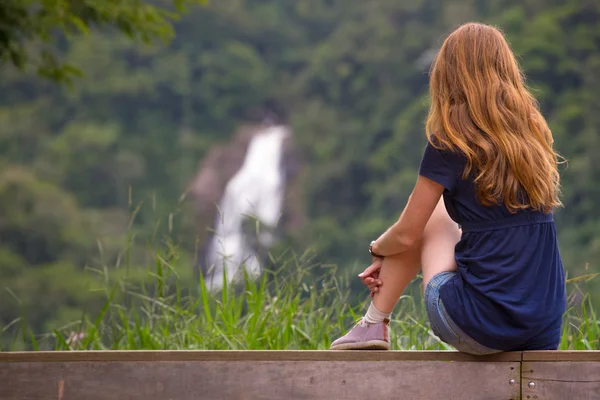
<point x="410" y="226"/>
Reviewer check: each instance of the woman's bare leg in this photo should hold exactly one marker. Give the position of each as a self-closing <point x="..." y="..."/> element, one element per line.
<point x="439" y="239"/>
<point x="395" y="274"/>
<point x="434" y="254"/>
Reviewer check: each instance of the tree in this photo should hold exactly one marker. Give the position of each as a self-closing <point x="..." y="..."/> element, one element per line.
<point x="33" y="32"/>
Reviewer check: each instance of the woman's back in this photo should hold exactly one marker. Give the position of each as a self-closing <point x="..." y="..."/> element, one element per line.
<point x="509" y="292"/>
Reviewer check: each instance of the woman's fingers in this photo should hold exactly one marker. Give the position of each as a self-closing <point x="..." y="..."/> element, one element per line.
<point x="371" y="281"/>
<point x="371" y="269"/>
<point x="373" y="284"/>
<point x="370" y="277"/>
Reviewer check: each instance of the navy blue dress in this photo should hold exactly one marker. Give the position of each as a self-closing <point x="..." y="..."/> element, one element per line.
<point x="509" y="292"/>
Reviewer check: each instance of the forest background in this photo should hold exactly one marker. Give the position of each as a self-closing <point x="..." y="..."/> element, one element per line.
<point x="94" y="173"/>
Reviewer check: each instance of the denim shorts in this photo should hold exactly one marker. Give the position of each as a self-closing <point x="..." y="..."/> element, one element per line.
<point x="441" y="324"/>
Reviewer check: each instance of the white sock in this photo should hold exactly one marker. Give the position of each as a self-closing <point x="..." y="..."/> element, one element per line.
<point x="374" y="316"/>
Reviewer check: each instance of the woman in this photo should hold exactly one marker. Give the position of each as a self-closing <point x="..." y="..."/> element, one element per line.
<point x="479" y="221"/>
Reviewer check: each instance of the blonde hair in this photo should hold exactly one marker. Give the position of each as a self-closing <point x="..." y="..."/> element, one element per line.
<point x="481" y="107"/>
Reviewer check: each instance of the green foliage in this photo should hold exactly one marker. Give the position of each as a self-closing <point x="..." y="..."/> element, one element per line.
<point x="581" y="328"/>
<point x="32" y="31"/>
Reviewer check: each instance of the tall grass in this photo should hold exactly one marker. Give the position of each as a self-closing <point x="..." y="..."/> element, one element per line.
<point x="581" y="327"/>
<point x="298" y="304"/>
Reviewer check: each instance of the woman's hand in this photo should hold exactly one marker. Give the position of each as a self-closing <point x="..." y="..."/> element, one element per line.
<point x="370" y="276"/>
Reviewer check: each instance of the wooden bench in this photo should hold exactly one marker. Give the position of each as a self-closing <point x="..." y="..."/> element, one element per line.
<point x="182" y="375"/>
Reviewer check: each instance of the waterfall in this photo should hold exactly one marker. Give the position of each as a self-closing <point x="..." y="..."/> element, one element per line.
<point x="255" y="192"/>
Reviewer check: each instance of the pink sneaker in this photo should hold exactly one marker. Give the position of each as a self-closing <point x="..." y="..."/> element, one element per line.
<point x="365" y="336"/>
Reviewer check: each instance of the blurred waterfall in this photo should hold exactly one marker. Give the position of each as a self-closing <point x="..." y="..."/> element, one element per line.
<point x="254" y="193"/>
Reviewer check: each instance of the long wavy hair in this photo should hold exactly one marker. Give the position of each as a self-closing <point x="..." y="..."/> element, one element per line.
<point x="481" y="107"/>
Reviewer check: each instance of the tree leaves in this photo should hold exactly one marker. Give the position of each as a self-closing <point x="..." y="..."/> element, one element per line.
<point x="33" y="33"/>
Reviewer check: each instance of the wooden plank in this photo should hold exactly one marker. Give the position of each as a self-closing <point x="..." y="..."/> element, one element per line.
<point x="257" y="355"/>
<point x="562" y="355"/>
<point x="560" y="380"/>
<point x="253" y="355"/>
<point x="251" y="379"/>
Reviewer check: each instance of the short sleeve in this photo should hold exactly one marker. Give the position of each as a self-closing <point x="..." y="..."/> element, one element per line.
<point x="443" y="167"/>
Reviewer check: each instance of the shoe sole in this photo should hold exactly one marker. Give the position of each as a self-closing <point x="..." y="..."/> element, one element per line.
<point x="369" y="345"/>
